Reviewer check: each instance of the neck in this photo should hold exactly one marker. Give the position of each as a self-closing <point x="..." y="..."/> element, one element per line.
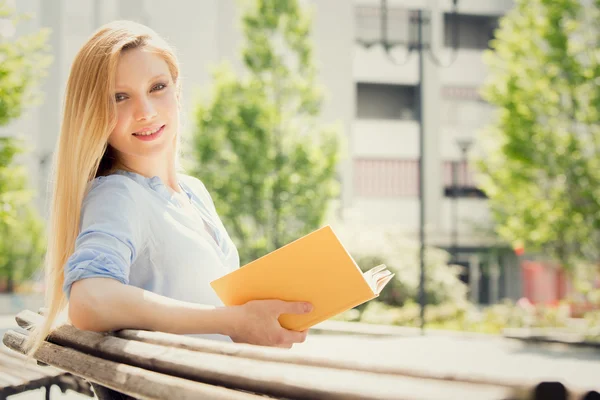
<point x="164" y="168"/>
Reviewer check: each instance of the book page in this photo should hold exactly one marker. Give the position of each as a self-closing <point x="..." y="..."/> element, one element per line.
<point x="378" y="277"/>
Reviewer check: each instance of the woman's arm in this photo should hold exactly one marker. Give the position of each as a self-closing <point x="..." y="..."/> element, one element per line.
<point x="104" y="304"/>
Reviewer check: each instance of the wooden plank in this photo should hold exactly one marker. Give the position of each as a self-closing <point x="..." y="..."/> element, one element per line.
<point x="272" y="378"/>
<point x="124" y="378"/>
<point x="28" y="318"/>
<point x="283" y="356"/>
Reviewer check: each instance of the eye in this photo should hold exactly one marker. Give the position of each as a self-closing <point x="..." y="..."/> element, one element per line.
<point x="120" y="97"/>
<point x="158" y="86"/>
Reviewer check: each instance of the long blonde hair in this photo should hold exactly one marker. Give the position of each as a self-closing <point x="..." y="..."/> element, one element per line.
<point x="89" y="117"/>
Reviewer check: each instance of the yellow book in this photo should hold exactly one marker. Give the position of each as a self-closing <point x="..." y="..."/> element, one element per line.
<point x="315" y="268"/>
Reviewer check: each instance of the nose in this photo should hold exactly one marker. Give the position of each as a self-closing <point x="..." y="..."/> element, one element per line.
<point x="145" y="110"/>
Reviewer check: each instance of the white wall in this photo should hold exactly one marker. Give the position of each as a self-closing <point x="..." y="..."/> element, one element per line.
<point x="449" y="119"/>
<point x="333" y="38"/>
<point x="386" y="139"/>
<point x="372" y="65"/>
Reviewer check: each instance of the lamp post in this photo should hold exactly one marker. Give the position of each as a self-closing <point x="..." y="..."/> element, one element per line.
<point x="464" y="144"/>
<point x="419" y="20"/>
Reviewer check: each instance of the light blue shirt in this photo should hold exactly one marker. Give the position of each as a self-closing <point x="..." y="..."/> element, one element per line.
<point x="135" y="231"/>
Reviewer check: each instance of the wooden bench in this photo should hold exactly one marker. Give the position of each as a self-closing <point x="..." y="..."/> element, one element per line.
<point x="18" y="374"/>
<point x="153" y="365"/>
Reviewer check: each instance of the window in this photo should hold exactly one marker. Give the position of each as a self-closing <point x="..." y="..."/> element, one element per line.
<point x="384" y="101"/>
<point x="368" y="25"/>
<point x="474" y="31"/>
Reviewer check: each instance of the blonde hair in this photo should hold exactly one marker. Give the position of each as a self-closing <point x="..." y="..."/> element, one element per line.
<point x="83" y="153"/>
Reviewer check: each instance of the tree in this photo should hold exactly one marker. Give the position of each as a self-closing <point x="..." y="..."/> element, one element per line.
<point x="22" y="242"/>
<point x="258" y="147"/>
<point x="541" y="157"/>
<point x="22" y="63"/>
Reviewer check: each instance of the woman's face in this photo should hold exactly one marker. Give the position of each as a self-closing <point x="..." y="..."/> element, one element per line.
<point x="147" y="108"/>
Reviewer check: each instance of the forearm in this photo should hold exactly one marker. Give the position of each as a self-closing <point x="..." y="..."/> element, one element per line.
<point x="101" y="304"/>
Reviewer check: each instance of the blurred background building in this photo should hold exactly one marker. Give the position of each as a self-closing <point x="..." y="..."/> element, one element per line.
<point x="373" y="98"/>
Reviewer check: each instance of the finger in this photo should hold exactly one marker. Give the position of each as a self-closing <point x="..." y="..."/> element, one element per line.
<point x="295" y="307"/>
<point x="295" y="337"/>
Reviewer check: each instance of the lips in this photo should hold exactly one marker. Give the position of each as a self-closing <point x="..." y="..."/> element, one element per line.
<point x="148" y="135"/>
<point x="148" y="130"/>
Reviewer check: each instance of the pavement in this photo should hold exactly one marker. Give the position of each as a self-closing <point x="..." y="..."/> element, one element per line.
<point x="486" y="358"/>
<point x="482" y="356"/>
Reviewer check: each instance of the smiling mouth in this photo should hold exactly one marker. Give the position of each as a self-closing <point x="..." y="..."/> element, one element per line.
<point x="150" y="132"/>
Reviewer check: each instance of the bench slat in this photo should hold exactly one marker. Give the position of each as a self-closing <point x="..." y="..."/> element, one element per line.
<point x="277" y="355"/>
<point x="28" y="318"/>
<point x="124" y="378"/>
<point x="276" y="379"/>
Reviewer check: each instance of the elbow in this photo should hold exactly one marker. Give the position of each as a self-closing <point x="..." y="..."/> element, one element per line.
<point x="86" y="307"/>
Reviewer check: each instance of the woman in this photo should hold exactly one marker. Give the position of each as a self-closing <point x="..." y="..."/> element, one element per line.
<point x="132" y="243"/>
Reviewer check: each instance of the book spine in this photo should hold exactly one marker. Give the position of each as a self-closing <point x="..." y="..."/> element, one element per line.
<point x="338" y="310"/>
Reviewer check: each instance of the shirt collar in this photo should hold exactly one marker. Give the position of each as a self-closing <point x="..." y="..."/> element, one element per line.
<point x="154" y="183"/>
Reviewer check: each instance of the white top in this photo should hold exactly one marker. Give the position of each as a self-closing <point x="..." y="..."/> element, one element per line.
<point x="135" y="231"/>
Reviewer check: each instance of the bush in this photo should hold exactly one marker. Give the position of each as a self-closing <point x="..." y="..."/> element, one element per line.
<point x="370" y="247"/>
<point x="467" y="317"/>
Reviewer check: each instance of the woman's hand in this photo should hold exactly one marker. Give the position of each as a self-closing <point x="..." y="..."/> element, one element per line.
<point x="257" y="322"/>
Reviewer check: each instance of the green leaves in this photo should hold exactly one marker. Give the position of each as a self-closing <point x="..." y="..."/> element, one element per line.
<point x="257" y="145"/>
<point x="540" y="165"/>
<point x="23" y="62"/>
<point x="22" y="242"/>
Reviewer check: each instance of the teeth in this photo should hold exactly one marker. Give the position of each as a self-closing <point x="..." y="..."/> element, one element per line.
<point x="148" y="133"/>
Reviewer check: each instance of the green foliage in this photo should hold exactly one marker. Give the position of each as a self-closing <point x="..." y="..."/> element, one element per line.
<point x="370" y="247"/>
<point x="257" y="146"/>
<point x="22" y="63"/>
<point x="22" y="243"/>
<point x="467" y="317"/>
<point x="541" y="163"/>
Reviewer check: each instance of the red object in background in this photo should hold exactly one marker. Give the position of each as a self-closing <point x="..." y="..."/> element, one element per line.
<point x="544" y="283"/>
<point x="519" y="251"/>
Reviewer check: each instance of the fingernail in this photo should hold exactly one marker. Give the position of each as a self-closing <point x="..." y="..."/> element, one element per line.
<point x="308" y="307"/>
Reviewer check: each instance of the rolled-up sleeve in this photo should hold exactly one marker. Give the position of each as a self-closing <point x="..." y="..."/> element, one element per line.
<point x="110" y="235"/>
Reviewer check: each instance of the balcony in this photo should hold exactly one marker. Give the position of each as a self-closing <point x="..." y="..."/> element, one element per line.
<point x="385" y="138"/>
<point x="373" y="65"/>
<point x="467" y="70"/>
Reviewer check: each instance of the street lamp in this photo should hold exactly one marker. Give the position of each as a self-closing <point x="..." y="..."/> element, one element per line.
<point x="464" y="144"/>
<point x="422" y="48"/>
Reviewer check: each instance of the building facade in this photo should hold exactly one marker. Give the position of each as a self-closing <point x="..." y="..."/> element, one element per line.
<point x="372" y="94"/>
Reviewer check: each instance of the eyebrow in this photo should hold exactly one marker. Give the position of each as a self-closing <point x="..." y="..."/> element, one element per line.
<point x="118" y="87"/>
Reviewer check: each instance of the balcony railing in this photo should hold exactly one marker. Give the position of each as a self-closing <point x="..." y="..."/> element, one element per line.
<point x="385" y="178"/>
